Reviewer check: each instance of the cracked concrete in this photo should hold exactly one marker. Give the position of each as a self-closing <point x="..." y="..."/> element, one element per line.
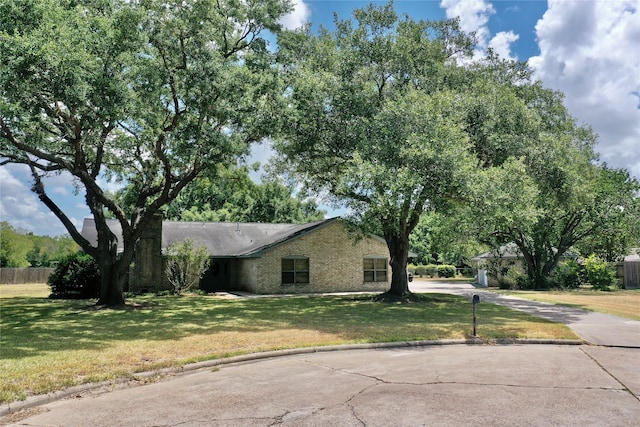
<point x="497" y="385"/>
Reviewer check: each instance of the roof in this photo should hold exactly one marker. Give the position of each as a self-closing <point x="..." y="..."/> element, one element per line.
<point x="222" y="239"/>
<point x="508" y="251"/>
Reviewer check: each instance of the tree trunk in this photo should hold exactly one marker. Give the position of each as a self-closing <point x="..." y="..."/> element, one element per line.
<point x="112" y="269"/>
<point x="111" y="283"/>
<point x="399" y="250"/>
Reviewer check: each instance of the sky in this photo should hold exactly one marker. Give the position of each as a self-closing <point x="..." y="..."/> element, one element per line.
<point x="587" y="49"/>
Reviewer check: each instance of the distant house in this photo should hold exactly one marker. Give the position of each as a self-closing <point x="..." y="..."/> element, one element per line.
<point x="493" y="266"/>
<point x="500" y="266"/>
<point x="320" y="256"/>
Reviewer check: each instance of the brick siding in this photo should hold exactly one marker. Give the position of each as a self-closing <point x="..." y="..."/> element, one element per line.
<point x="335" y="263"/>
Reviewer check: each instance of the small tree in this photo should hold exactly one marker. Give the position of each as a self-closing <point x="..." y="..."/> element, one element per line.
<point x="599" y="273"/>
<point x="185" y="265"/>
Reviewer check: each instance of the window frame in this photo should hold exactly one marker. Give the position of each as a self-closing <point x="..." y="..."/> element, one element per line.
<point x="300" y="276"/>
<point x="379" y="274"/>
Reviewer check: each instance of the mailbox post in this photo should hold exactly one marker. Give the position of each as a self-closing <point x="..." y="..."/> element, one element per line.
<point x="476" y="300"/>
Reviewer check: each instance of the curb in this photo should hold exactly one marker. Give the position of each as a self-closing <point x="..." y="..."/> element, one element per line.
<point x="43" y="399"/>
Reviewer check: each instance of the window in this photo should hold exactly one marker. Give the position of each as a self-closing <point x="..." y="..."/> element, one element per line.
<point x="375" y="269"/>
<point x="295" y="270"/>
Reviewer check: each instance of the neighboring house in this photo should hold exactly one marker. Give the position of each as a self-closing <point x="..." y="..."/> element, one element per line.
<point x="494" y="266"/>
<point x="503" y="265"/>
<point x="321" y="256"/>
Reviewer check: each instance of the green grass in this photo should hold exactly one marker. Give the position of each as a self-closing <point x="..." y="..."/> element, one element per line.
<point x="48" y="345"/>
<point x="623" y="303"/>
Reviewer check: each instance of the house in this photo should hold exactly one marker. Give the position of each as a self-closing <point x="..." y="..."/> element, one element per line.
<point x="321" y="256"/>
<point x="493" y="266"/>
<point x="502" y="266"/>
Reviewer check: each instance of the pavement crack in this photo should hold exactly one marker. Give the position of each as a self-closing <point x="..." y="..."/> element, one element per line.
<point x="623" y="385"/>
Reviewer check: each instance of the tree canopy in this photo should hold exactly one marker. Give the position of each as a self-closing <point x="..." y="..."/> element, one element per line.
<point x="391" y="118"/>
<point x="147" y="92"/>
<point x="228" y="194"/>
<point x="374" y="120"/>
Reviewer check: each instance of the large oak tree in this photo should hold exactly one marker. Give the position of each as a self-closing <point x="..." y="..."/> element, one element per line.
<point x="149" y="92"/>
<point x="373" y="120"/>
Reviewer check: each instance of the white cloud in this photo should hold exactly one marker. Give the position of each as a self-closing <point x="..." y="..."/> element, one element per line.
<point x="23" y="210"/>
<point x="474" y="16"/>
<point x="501" y="44"/>
<point x="590" y="50"/>
<point x="298" y="17"/>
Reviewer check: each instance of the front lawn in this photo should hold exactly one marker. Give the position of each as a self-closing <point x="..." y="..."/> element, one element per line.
<point x="52" y="344"/>
<point x="623" y="303"/>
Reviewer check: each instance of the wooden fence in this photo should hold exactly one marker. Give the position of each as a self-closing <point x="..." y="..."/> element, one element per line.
<point x="12" y="276"/>
<point x="631" y="275"/>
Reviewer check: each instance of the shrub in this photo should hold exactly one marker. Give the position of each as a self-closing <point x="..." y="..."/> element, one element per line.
<point x="446" y="270"/>
<point x="75" y="277"/>
<point x="511" y="278"/>
<point x="567" y="275"/>
<point x="599" y="274"/>
<point x="185" y="265"/>
<point x="431" y="270"/>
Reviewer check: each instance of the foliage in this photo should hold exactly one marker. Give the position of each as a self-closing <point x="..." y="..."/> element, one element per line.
<point x="75" y="277"/>
<point x="619" y="229"/>
<point x="373" y="120"/>
<point x="541" y="187"/>
<point x="599" y="273"/>
<point x="228" y="194"/>
<point x="24" y="249"/>
<point x="447" y="271"/>
<point x="568" y="275"/>
<point x="185" y="265"/>
<point x="149" y="93"/>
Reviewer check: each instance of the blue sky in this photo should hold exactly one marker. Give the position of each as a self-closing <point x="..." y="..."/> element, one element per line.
<point x="588" y="49"/>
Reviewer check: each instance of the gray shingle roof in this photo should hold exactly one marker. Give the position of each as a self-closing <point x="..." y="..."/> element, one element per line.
<point x="222" y="239"/>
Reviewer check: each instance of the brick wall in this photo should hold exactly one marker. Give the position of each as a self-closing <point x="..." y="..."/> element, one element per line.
<point x="149" y="266"/>
<point x="335" y="263"/>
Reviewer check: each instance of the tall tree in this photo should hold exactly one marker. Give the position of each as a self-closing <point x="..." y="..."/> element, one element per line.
<point x="541" y="187"/>
<point x="372" y="120"/>
<point x="151" y="92"/>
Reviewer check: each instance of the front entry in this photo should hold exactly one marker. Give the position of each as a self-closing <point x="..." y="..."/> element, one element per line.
<point x="218" y="276"/>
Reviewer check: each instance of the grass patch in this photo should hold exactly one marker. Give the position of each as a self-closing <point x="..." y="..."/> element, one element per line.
<point x="52" y="344"/>
<point x="622" y="303"/>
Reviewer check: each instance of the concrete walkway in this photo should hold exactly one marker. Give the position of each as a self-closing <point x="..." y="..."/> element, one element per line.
<point x="405" y="385"/>
<point x="594" y="328"/>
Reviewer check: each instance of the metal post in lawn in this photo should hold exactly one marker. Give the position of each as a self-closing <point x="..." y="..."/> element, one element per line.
<point x="476" y="300"/>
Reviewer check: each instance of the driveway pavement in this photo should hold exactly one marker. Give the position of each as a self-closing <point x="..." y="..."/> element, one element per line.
<point x="407" y="385"/>
<point x="594" y="328"/>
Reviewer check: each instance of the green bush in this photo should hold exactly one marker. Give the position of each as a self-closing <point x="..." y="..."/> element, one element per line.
<point x="431" y="270"/>
<point x="567" y="275"/>
<point x="75" y="277"/>
<point x="446" y="270"/>
<point x="186" y="265"/>
<point x="512" y="278"/>
<point x="599" y="274"/>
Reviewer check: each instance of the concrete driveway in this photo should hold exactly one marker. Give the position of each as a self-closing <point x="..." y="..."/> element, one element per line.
<point x="594" y="328"/>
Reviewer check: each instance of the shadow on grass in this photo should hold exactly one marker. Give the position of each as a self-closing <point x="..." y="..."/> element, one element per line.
<point x="31" y="326"/>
